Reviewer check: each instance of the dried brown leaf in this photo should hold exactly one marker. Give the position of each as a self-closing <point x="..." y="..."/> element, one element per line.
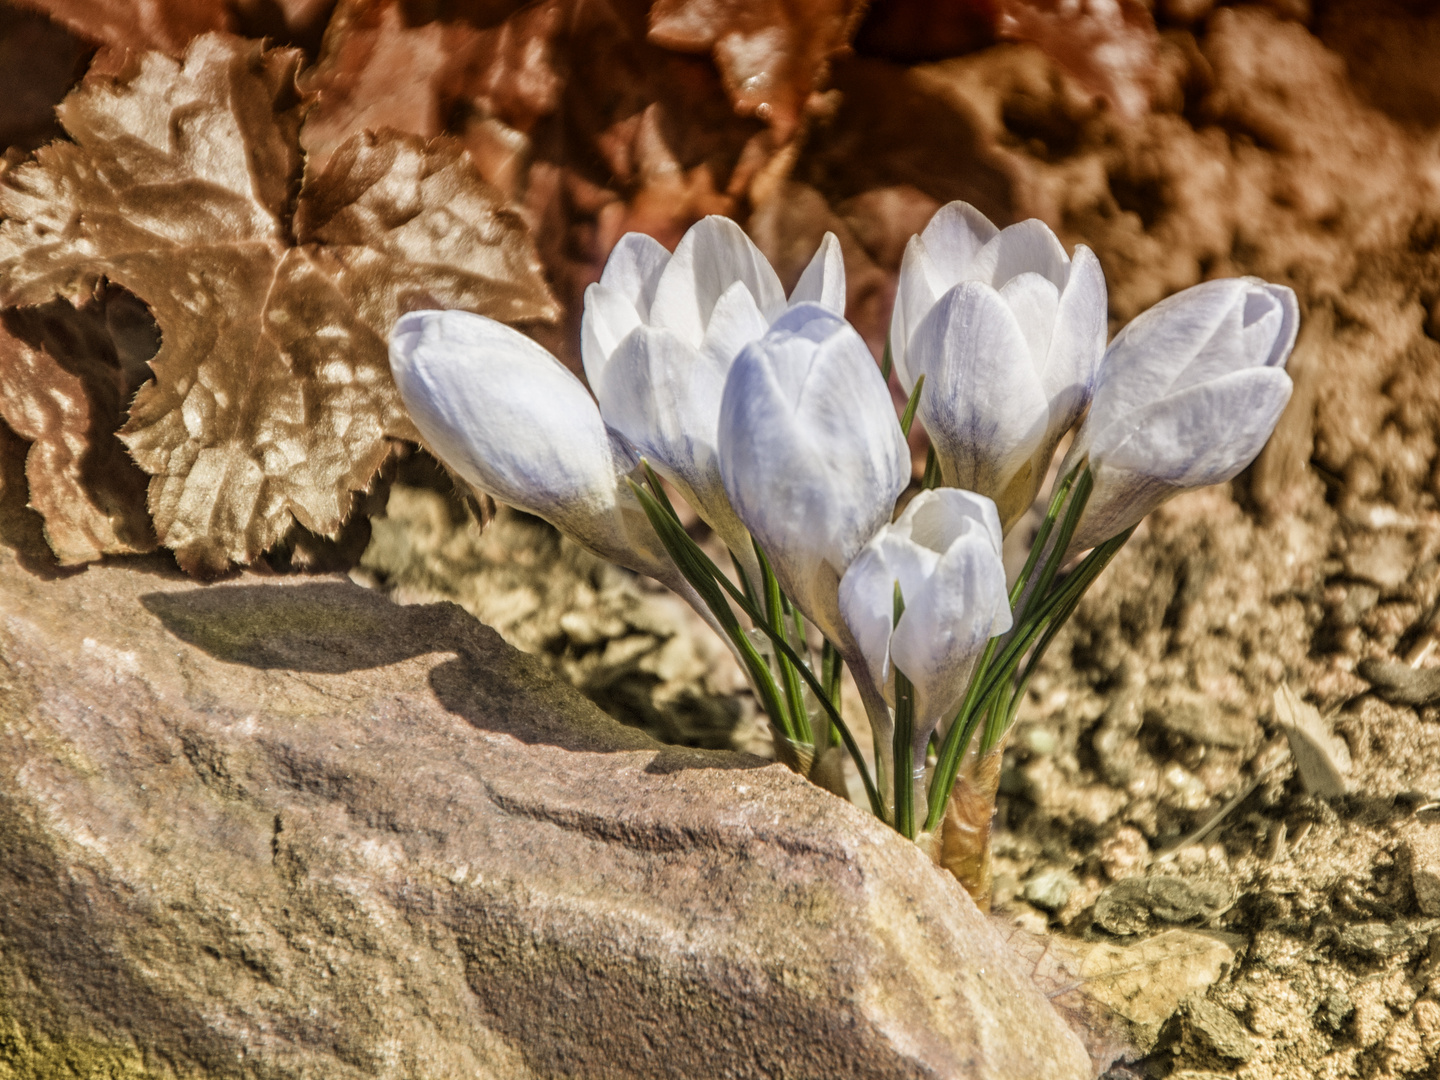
<point x="167" y="25"/>
<point x="1110" y="47"/>
<point x="773" y="54"/>
<point x="170" y="25"/>
<point x="563" y="104"/>
<point x="272" y="395"/>
<point x="64" y="388"/>
<point x="21" y="528"/>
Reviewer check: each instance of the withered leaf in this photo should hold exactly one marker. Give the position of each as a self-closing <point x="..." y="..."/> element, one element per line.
<point x="64" y="388"/>
<point x="773" y="55"/>
<point x="21" y="528"/>
<point x="272" y="394"/>
<point x="1110" y="48"/>
<point x="39" y="62"/>
<point x="563" y="104"/>
<point x="167" y="25"/>
<point x="170" y="25"/>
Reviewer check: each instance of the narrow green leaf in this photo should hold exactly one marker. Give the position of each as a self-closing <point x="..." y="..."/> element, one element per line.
<point x="907" y="419"/>
<point x="775" y="619"/>
<point x="931" y="477"/>
<point x="901" y="746"/>
<point x="702" y="575"/>
<point x="887" y="362"/>
<point x="691" y="559"/>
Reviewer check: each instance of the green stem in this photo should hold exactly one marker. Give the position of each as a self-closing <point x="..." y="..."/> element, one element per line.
<point x="902" y="742"/>
<point x="708" y="581"/>
<point x="907" y="419"/>
<point x="702" y="579"/>
<point x="775" y="619"/>
<point x="931" y="477"/>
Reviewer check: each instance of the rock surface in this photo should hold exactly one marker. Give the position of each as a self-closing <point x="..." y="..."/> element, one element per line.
<point x="284" y="828"/>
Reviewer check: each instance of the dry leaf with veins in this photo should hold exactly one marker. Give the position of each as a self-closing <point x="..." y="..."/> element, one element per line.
<point x="272" y="395"/>
<point x="563" y="104"/>
<point x="170" y="25"/>
<point x="773" y="54"/>
<point x="64" y="386"/>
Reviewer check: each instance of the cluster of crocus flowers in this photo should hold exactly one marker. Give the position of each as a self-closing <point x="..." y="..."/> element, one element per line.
<point x="769" y="416"/>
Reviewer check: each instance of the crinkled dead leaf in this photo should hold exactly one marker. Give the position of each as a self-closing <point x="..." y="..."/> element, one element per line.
<point x="170" y="25"/>
<point x="1110" y="47"/>
<point x="773" y="55"/>
<point x="167" y="25"/>
<point x="64" y="386"/>
<point x="272" y="396"/>
<point x="1116" y="996"/>
<point x="563" y="104"/>
<point x="21" y="528"/>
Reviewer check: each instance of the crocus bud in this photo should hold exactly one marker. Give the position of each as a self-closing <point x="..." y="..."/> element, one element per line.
<point x="944" y="551"/>
<point x="1187" y="396"/>
<point x="811" y="454"/>
<point x="509" y="419"/>
<point x="1008" y="333"/>
<point x="659" y="336"/>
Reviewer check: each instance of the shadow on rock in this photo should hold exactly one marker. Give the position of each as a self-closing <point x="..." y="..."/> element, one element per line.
<point x="334" y="627"/>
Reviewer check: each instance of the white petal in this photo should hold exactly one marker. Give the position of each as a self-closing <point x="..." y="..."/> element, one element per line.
<point x="914" y="297"/>
<point x="1289" y="322"/>
<point x="867" y="604"/>
<point x="983" y="403"/>
<point x="948" y="624"/>
<point x="609" y="317"/>
<point x="810" y="452"/>
<point x="734" y="323"/>
<point x="1035" y="302"/>
<point x="663" y="396"/>
<point x="1026" y="246"/>
<point x="713" y="255"/>
<point x="633" y="270"/>
<point x="1203" y="435"/>
<point x="1078" y="342"/>
<point x="937" y="518"/>
<point x="510" y="419"/>
<point x="1153" y="350"/>
<point x="823" y="281"/>
<point x="953" y="238"/>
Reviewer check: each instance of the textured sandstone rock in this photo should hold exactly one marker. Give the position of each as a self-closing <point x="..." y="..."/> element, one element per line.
<point x="283" y="828"/>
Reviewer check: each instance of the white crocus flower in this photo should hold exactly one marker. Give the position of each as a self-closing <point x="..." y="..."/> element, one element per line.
<point x="811" y="454"/>
<point x="1187" y="396"/>
<point x="944" y="551"/>
<point x="659" y="336"/>
<point x="510" y="420"/>
<point x="1008" y="332"/>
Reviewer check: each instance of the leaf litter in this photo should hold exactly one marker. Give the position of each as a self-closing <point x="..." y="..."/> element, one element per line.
<point x="272" y="397"/>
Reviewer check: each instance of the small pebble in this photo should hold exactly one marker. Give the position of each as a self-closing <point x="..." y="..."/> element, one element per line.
<point x="1049" y="888"/>
<point x="1126" y="854"/>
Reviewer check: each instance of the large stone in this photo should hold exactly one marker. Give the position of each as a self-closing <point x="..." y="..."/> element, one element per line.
<point x="284" y="828"/>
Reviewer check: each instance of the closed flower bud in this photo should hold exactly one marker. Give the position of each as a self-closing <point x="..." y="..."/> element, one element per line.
<point x="811" y="454"/>
<point x="1188" y="394"/>
<point x="510" y="420"/>
<point x="1008" y="332"/>
<point x="944" y="552"/>
<point x="659" y="336"/>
